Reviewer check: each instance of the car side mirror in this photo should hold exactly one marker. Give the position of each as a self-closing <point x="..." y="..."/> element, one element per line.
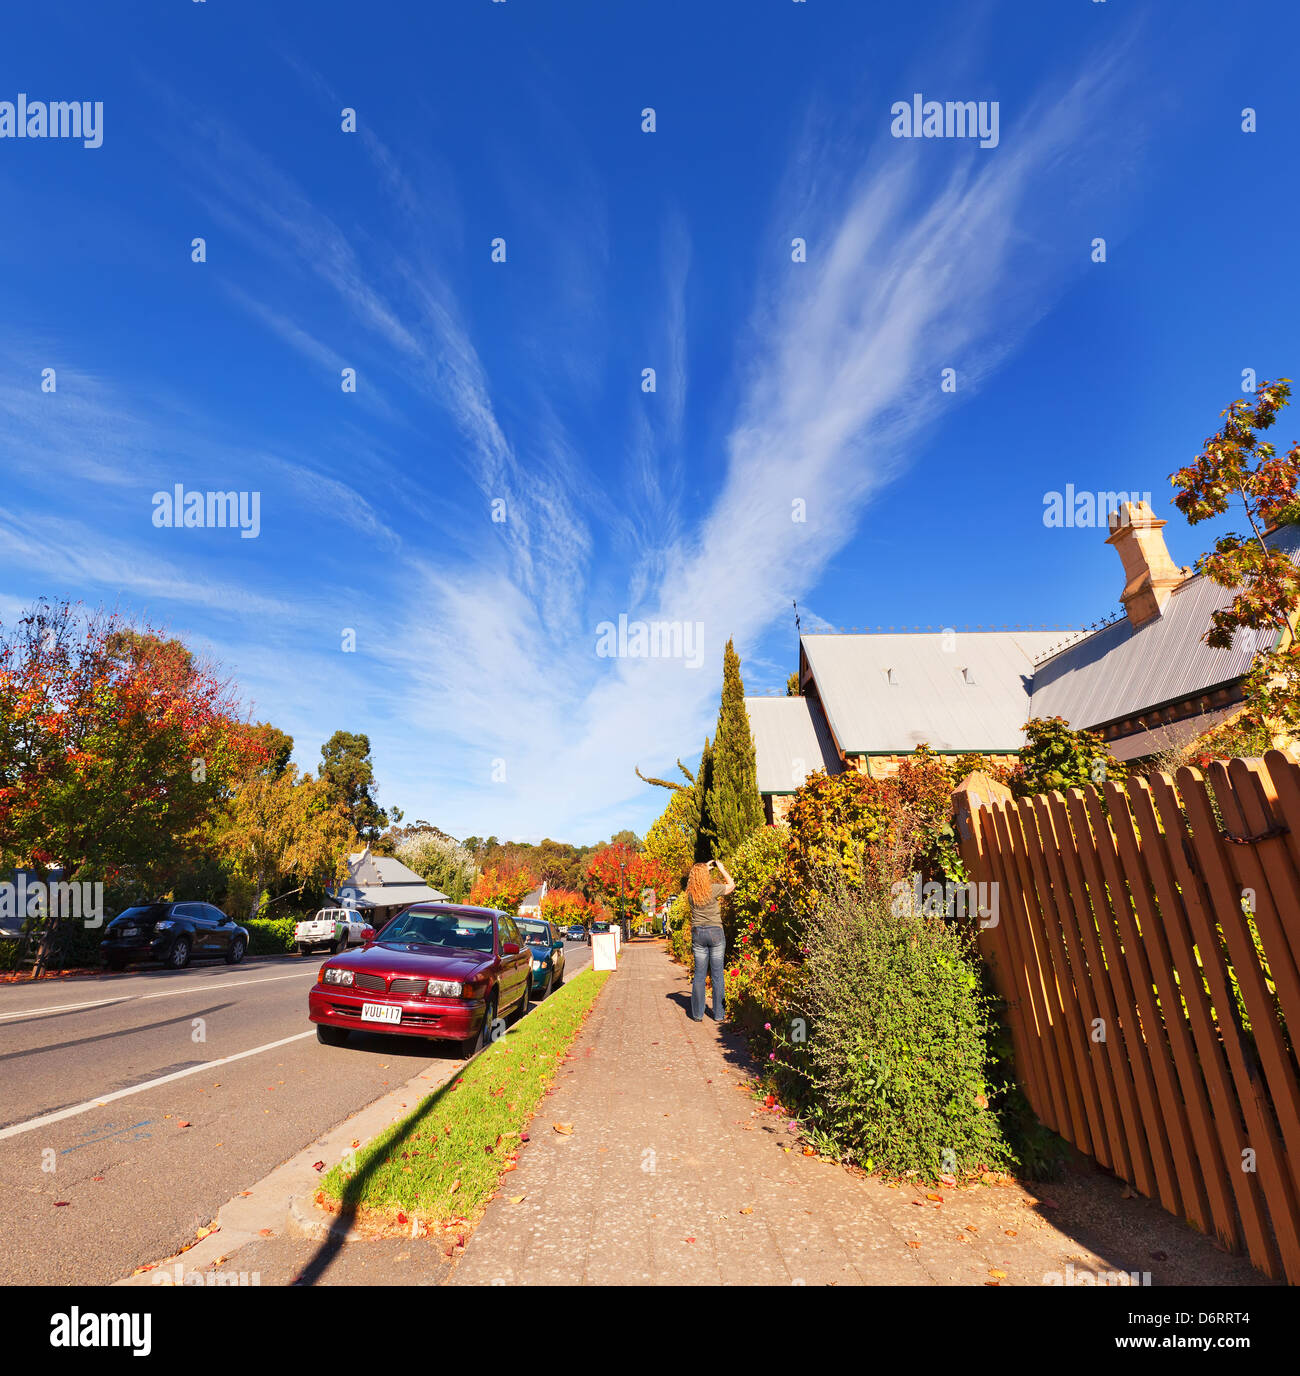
<point x="510" y="948"/>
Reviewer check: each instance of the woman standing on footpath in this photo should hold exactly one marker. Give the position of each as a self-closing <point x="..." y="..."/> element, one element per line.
<point x="708" y="941"/>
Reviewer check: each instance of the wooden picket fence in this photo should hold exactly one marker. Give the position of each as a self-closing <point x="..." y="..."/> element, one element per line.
<point x="1147" y="948"/>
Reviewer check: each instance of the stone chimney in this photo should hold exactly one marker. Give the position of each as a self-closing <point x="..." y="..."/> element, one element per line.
<point x="1150" y="573"/>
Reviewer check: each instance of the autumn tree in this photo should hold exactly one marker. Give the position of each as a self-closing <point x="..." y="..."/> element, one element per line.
<point x="1236" y="470"/>
<point x="733" y="807"/>
<point x="504" y="888"/>
<point x="280" y="828"/>
<point x="618" y="874"/>
<point x="568" y="908"/>
<point x="116" y="747"/>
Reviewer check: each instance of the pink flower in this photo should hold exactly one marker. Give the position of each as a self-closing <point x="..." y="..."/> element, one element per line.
<point x="771" y="1055"/>
<point x="767" y="1027"/>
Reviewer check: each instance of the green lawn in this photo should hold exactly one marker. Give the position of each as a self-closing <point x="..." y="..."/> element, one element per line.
<point x="445" y="1158"/>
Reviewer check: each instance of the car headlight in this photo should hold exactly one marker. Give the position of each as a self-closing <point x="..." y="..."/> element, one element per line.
<point x="444" y="989"/>
<point x="335" y="976"/>
<point x="164" y="924"/>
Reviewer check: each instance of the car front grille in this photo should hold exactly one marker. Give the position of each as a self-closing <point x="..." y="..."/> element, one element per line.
<point x="375" y="983"/>
<point x="408" y="986"/>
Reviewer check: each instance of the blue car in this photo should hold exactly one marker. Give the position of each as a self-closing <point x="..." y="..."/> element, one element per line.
<point x="546" y="946"/>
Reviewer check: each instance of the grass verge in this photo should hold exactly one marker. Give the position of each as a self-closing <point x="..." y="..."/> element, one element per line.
<point x="445" y="1159"/>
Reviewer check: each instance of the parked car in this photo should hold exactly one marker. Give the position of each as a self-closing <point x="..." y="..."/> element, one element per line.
<point x="577" y="932"/>
<point x="174" y="933"/>
<point x="439" y="970"/>
<point x="332" y="929"/>
<point x="546" y="942"/>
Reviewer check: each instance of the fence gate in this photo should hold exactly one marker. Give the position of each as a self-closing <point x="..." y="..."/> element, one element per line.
<point x="1147" y="948"/>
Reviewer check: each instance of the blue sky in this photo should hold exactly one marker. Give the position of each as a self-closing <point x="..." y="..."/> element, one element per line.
<point x="476" y="673"/>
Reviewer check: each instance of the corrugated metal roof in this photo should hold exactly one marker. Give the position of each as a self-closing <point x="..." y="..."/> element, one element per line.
<point x="386" y="895"/>
<point x="790" y="741"/>
<point x="365" y="868"/>
<point x="973" y="696"/>
<point x="1121" y="672"/>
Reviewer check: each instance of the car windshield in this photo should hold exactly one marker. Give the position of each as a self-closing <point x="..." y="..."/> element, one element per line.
<point x="456" y="931"/>
<point x="535" y="933"/>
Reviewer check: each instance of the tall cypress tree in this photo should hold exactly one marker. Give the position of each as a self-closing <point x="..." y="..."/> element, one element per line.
<point x="703" y="782"/>
<point x="733" y="807"/>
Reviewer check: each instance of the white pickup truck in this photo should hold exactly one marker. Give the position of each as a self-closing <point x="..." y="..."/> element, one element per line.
<point x="334" y="929"/>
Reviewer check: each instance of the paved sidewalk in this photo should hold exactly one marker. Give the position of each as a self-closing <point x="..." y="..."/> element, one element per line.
<point x="676" y="1174"/>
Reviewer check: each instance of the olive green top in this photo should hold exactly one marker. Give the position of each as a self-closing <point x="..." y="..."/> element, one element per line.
<point x="708" y="914"/>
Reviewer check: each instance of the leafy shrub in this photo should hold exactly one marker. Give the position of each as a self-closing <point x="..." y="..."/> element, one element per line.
<point x="894" y="1071"/>
<point x="755" y="907"/>
<point x="1055" y="757"/>
<point x="679" y="932"/>
<point x="270" y="936"/>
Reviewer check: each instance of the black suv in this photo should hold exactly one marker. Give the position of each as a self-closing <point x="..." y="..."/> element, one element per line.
<point x="174" y="933"/>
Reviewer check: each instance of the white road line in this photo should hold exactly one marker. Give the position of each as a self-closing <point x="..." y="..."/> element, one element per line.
<point x="47" y="1118"/>
<point x="65" y="1007"/>
<point x="166" y="994"/>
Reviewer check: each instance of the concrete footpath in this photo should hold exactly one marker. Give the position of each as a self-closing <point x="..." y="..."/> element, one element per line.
<point x="675" y="1173"/>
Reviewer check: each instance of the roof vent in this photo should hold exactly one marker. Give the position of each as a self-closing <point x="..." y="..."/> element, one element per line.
<point x="891" y="677"/>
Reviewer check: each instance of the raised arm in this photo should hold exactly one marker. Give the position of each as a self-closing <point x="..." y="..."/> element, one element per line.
<point x="722" y="870"/>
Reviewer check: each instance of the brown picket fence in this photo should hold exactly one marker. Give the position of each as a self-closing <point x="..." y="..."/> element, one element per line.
<point x="1147" y="946"/>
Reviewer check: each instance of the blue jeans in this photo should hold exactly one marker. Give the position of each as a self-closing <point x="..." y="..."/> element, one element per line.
<point x="708" y="945"/>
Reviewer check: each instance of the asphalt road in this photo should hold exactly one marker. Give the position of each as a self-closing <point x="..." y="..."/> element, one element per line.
<point x="96" y="1185"/>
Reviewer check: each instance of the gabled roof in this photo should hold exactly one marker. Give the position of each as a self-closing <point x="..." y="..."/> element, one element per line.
<point x="965" y="691"/>
<point x="365" y="868"/>
<point x="791" y="740"/>
<point x="1121" y="672"/>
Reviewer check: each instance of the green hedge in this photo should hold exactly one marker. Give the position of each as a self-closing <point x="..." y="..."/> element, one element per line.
<point x="895" y="1068"/>
<point x="270" y="936"/>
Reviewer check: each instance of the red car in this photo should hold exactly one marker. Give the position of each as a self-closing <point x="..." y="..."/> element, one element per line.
<point x="438" y="970"/>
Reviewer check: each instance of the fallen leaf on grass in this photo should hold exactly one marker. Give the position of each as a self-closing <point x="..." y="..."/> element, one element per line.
<point x="206" y="1232"/>
<point x="748" y="1209"/>
<point x="808" y="1151"/>
<point x="518" y="1199"/>
<point x="936" y="1197"/>
<point x="565" y="1129"/>
<point x="454" y="1187"/>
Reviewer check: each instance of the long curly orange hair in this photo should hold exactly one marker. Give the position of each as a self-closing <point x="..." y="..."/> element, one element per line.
<point x="698" y="885"/>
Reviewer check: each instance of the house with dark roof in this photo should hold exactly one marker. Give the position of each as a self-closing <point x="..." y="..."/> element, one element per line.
<point x="1146" y="681"/>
